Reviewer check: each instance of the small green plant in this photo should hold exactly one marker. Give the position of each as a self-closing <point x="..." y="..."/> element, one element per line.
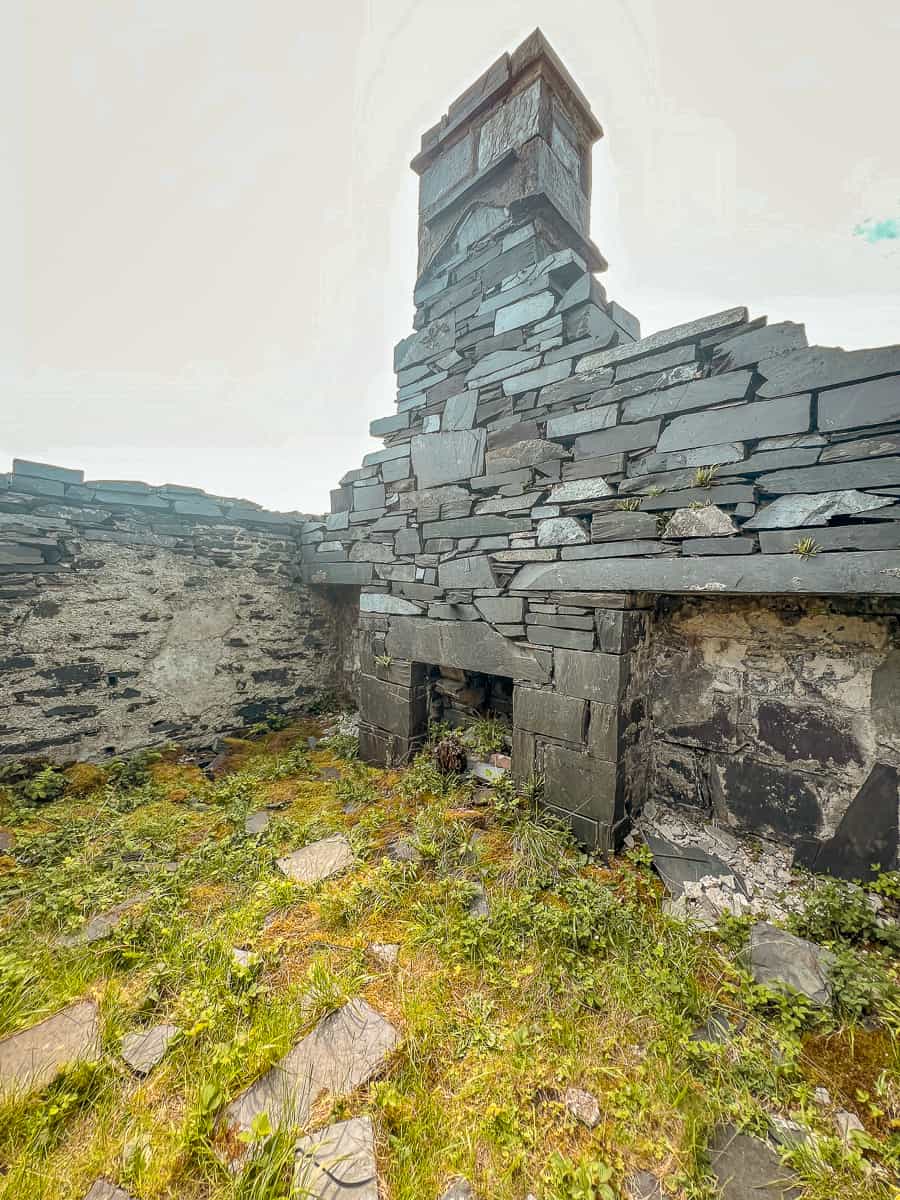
<point x="487" y="736"/>
<point x="270" y="723"/>
<point x="704" y="477"/>
<point x="806" y="548"/>
<point x="587" y="1179"/>
<point x="632" y="504"/>
<point x="342" y="745"/>
<point x="655" y="490"/>
<point x="128" y="774"/>
<point x="47" y="784"/>
<point x="383" y="660"/>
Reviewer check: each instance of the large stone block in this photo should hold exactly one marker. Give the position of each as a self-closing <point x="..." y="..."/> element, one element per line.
<point x="398" y="710"/>
<point x="472" y="646"/>
<point x="548" y="713"/>
<point x="736" y="423"/>
<point x="591" y="676"/>
<point x="445" y="173"/>
<point x="587" y="420"/>
<point x="447" y="457"/>
<point x="572" y="639"/>
<point x="818" y="508"/>
<point x="619" y="437"/>
<point x="675" y="336"/>
<point x="767" y="574"/>
<point x="746" y="349"/>
<point x="32" y="1058"/>
<point x="699" y="393"/>
<point x="523" y="312"/>
<point x="832" y="477"/>
<point x="824" y="367"/>
<point x="470" y="572"/>
<point x="874" y="403"/>
<point x="579" y="785"/>
<point x="487" y="525"/>
<point x="513" y="124"/>
<point x="766" y="798"/>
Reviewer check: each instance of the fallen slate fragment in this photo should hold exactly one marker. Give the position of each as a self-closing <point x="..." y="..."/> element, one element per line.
<point x="344" y="1050"/>
<point x="478" y="902"/>
<point x="318" y="861"/>
<point x="256" y="822"/>
<point x="34" y="1057"/>
<point x="102" y="1189"/>
<point x="100" y="926"/>
<point x="644" y="1186"/>
<point x="458" y="1189"/>
<point x="814" y="508"/>
<point x="329" y="773"/>
<point x="718" y="1028"/>
<point x="847" y="1123"/>
<point x="678" y="865"/>
<point x="746" y="1168"/>
<point x="402" y="850"/>
<point x="787" y="1133"/>
<point x="582" y="1106"/>
<point x="385" y="952"/>
<point x="779" y="959"/>
<point x="338" y="1162"/>
<point x="144" y="1049"/>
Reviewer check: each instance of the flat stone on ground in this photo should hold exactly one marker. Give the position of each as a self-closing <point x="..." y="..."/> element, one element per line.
<point x="256" y="822"/>
<point x="458" y="1189"/>
<point x="34" y="1057"/>
<point x="678" y="865"/>
<point x="318" y="860"/>
<point x="338" y="1162"/>
<point x="746" y="1168"/>
<point x="145" y="1048"/>
<point x="99" y="926"/>
<point x="344" y="1050"/>
<point x="102" y="1189"/>
<point x="582" y="1106"/>
<point x="779" y="959"/>
<point x="643" y="1185"/>
<point x="385" y="952"/>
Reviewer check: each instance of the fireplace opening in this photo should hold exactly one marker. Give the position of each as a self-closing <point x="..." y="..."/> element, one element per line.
<point x="478" y="708"/>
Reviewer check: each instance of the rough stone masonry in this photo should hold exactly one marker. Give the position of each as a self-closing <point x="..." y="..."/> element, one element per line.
<point x="683" y="551"/>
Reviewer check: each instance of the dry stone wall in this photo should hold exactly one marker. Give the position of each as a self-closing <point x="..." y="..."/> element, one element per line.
<point x="131" y="615"/>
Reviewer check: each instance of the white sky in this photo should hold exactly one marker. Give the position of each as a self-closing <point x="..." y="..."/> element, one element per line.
<point x="208" y="223"/>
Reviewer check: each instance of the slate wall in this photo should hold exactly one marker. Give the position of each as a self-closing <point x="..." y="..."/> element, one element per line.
<point x="130" y="615"/>
<point x="782" y="718"/>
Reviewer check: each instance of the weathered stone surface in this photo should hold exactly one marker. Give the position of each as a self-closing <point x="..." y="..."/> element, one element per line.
<point x="652" y="363"/>
<point x="549" y="373"/>
<point x="381" y="602"/>
<point x="427" y="343"/>
<point x="865" y="447"/>
<point x="103" y="1189"/>
<point x="367" y="496"/>
<point x="582" y="383"/>
<point x="768" y="574"/>
<point x="577" y="490"/>
<point x="699" y="393"/>
<point x="499" y="363"/>
<point x="471" y="572"/>
<point x="867" y="836"/>
<point x="393" y="707"/>
<point x="578" y="785"/>
<point x="666" y="337"/>
<point x="619" y="437"/>
<point x="501" y="610"/>
<point x="746" y="349"/>
<point x="144" y="1049"/>
<point x="734" y="545"/>
<point x="590" y="676"/>
<point x="523" y="312"/>
<point x="622" y="525"/>
<point x="458" y="1189"/>
<point x="459" y="411"/>
<point x="643" y="1185"/>
<point x="100" y="926"/>
<point x="871" y="403"/>
<point x="526" y="453"/>
<point x="32" y="1058"/>
<point x="571" y="639"/>
<point x="824" y="367"/>
<point x="585" y="421"/>
<point x="338" y="1162"/>
<point x="877" y="472"/>
<point x="514" y="123"/>
<point x="779" y="959"/>
<point x="582" y="1106"/>
<point x="620" y="549"/>
<point x="561" y="531"/>
<point x="487" y="525"/>
<point x="700" y="456"/>
<point x="746" y="1168"/>
<point x="679" y="865"/>
<point x="736" y="422"/>
<point x="549" y="713"/>
<point x="882" y="535"/>
<point x="474" y="647"/>
<point x="320" y="860"/>
<point x="445" y="457"/>
<point x="346" y="1049"/>
<point x="791" y="512"/>
<point x="385" y="953"/>
<point x="707" y="521"/>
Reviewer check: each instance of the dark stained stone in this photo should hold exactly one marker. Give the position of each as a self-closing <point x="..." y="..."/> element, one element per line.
<point x="397" y="709"/>
<point x="834" y="477"/>
<point x="824" y="367"/>
<point x="762" y="796"/>
<point x="576" y="784"/>
<point x="866" y="840"/>
<point x="591" y="676"/>
<point x="549" y="713"/>
<point x="803" y="734"/>
<point x="746" y="1168"/>
<point x="778" y="959"/>
<point x="875" y="446"/>
<point x="736" y="423"/>
<point x="678" y="865"/>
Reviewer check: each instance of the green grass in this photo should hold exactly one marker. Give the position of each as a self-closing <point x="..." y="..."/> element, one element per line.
<point x="576" y="978"/>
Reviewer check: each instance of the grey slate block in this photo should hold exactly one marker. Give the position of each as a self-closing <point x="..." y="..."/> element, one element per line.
<point x="833" y="477"/>
<point x="459" y="411"/>
<point x="582" y="383"/>
<point x="145" y="1048"/>
<point x="352" y="573"/>
<point x="571" y="639"/>
<point x="862" y="404"/>
<point x="391" y="424"/>
<point x="33" y="1057"/>
<point x="474" y="647"/>
<point x="874" y="536"/>
<point x="624" y="549"/>
<point x="471" y="572"/>
<point x="824" y="367"/>
<point x="772" y="460"/>
<point x="549" y="713"/>
<point x="719" y="493"/>
<point x="539" y="378"/>
<point x="620" y="437"/>
<point x="737" y="423"/>
<point x="716" y="545"/>
<point x="699" y="393"/>
<point x="696" y="456"/>
<point x="597" y="676"/>
<point x="877" y="572"/>
<point x="484" y="526"/>
<point x="368" y="496"/>
<point x="39" y="470"/>
<point x="585" y="421"/>
<point x="446" y="457"/>
<point x="816" y="508"/>
<point x="590" y="468"/>
<point x="668" y="337"/>
<point x="746" y="349"/>
<point x="622" y="526"/>
<point x="523" y="312"/>
<point x="338" y="1162"/>
<point x="864" y="447"/>
<point x="663" y="361"/>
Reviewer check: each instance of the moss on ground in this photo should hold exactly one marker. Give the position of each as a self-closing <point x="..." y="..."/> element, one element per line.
<point x="576" y="978"/>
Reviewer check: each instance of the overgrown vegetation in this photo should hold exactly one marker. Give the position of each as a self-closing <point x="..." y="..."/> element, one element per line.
<point x="575" y="977"/>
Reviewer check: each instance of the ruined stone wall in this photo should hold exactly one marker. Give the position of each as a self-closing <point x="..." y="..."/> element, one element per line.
<point x="781" y="717"/>
<point x="132" y="615"/>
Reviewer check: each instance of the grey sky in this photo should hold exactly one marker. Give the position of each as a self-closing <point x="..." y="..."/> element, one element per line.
<point x="208" y="219"/>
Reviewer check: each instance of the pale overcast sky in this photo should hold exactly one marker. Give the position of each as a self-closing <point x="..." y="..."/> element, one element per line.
<point x="208" y="223"/>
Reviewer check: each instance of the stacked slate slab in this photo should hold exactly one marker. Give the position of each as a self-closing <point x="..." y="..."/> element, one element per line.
<point x="546" y="470"/>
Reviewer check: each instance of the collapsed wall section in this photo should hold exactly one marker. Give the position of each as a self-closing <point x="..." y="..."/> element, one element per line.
<point x="132" y="615"/>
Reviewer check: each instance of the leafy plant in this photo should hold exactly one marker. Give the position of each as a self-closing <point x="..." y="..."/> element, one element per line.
<point x="586" y="1179"/>
<point x="705" y="477"/>
<point x="47" y="784"/>
<point x="487" y="736"/>
<point x="806" y="548"/>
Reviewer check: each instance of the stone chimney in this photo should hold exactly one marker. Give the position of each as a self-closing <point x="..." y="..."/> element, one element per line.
<point x="519" y="137"/>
